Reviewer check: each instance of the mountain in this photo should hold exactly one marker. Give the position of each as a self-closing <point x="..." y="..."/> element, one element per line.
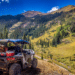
<point x="33" y="22"/>
<point x="67" y="8"/>
<point x="31" y="13"/>
<point x="51" y="34"/>
<point x="63" y="9"/>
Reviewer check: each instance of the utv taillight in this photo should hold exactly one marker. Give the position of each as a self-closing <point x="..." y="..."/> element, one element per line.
<point x="2" y="54"/>
<point x="10" y="53"/>
<point x="10" y="58"/>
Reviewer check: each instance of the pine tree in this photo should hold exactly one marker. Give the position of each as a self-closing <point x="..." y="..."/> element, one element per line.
<point x="1" y="35"/>
<point x="51" y="56"/>
<point x="17" y="36"/>
<point x="30" y="46"/>
<point x="25" y="47"/>
<point x="24" y="37"/>
<point x="42" y="56"/>
<point x="27" y="38"/>
<point x="5" y="33"/>
<point x="48" y="43"/>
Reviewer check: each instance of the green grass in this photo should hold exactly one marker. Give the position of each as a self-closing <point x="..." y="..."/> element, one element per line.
<point x="61" y="53"/>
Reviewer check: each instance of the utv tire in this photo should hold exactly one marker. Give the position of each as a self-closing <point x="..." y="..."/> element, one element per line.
<point x="34" y="63"/>
<point x="15" y="69"/>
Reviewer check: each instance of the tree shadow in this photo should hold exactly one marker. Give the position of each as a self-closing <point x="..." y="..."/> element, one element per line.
<point x="1" y="72"/>
<point x="31" y="71"/>
<point x="27" y="71"/>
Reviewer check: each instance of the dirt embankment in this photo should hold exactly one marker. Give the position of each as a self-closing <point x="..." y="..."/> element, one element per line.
<point x="46" y="68"/>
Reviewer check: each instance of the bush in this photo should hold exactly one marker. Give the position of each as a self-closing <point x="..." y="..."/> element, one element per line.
<point x="58" y="60"/>
<point x="53" y="30"/>
<point x="42" y="56"/>
<point x="51" y="56"/>
<point x="72" y="28"/>
<point x="54" y="42"/>
<point x="73" y="66"/>
<point x="73" y="34"/>
<point x="50" y="61"/>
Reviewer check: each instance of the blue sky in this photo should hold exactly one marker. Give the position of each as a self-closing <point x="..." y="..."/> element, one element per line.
<point x="14" y="7"/>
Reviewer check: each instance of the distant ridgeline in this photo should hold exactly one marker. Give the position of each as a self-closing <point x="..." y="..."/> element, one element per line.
<point x="36" y="25"/>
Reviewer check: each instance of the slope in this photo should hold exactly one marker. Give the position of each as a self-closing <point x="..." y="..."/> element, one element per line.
<point x="46" y="68"/>
<point x="64" y="53"/>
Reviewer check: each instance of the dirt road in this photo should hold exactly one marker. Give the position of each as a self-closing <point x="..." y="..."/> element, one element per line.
<point x="45" y="68"/>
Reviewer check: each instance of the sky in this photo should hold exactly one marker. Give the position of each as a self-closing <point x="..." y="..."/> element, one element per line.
<point x="14" y="7"/>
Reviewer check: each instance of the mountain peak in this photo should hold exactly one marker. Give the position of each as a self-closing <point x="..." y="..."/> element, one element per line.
<point x="67" y="8"/>
<point x="31" y="13"/>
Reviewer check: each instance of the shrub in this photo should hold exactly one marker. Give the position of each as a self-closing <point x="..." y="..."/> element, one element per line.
<point x="53" y="30"/>
<point x="73" y="34"/>
<point x="42" y="56"/>
<point x="51" y="56"/>
<point x="54" y="42"/>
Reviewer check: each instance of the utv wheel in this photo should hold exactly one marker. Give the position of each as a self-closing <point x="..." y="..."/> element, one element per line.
<point x="15" y="69"/>
<point x="34" y="63"/>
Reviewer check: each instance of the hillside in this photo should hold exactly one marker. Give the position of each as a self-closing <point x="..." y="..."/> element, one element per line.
<point x="58" y="42"/>
<point x="52" y="34"/>
<point x="35" y="26"/>
<point x="31" y="25"/>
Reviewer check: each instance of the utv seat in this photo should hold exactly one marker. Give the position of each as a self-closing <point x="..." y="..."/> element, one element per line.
<point x="16" y="48"/>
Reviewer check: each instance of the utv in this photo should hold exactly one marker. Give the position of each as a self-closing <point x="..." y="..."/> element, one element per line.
<point x="13" y="58"/>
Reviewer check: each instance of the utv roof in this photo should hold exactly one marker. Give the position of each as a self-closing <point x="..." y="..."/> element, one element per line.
<point x="14" y="41"/>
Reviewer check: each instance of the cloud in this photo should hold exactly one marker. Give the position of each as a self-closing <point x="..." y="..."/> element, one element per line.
<point x="5" y="1"/>
<point x="53" y="9"/>
<point x="2" y="0"/>
<point x="24" y="11"/>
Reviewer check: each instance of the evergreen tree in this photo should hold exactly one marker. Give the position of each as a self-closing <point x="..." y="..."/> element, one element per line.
<point x="24" y="37"/>
<point x="1" y="35"/>
<point x="25" y="47"/>
<point x="51" y="56"/>
<point x="58" y="37"/>
<point x="14" y="36"/>
<point x="5" y="33"/>
<point x="61" y="26"/>
<point x="30" y="46"/>
<point x="42" y="56"/>
<point x="17" y="36"/>
<point x="54" y="42"/>
<point x="27" y="37"/>
<point x="48" y="43"/>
